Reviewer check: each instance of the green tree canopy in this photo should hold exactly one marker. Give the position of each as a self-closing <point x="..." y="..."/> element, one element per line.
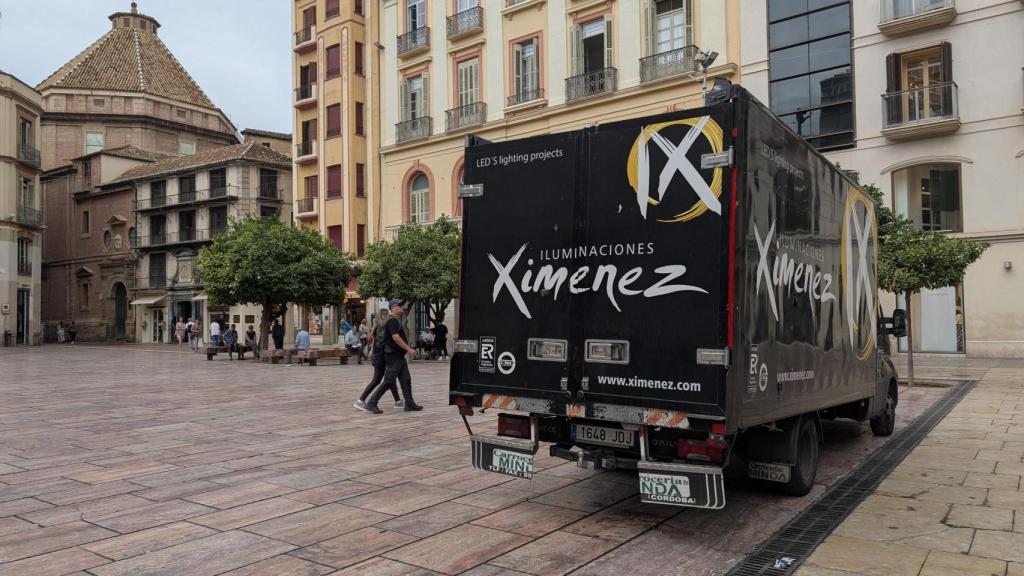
<point x="264" y="261"/>
<point x="421" y="265"/>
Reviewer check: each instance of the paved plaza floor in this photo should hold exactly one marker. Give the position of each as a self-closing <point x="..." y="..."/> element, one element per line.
<point x="119" y="460"/>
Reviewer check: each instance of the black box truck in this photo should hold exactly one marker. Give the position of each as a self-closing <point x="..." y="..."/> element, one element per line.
<point x="665" y="293"/>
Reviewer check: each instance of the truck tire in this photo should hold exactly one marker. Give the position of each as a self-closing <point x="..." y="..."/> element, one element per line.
<point x="885" y="423"/>
<point x="802" y="474"/>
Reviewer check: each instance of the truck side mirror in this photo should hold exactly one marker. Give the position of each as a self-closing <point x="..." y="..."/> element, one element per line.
<point x="899" y="323"/>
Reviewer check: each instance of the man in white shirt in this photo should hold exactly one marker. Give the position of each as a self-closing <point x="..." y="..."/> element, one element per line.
<point x="214" y="333"/>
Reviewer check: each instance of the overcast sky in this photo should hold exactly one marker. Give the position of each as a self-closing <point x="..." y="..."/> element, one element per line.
<point x="237" y="50"/>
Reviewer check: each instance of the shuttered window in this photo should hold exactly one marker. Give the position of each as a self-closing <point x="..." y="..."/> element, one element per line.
<point x="359" y="58"/>
<point x="469" y="81"/>
<point x="333" y="61"/>
<point x="361" y="180"/>
<point x="527" y="80"/>
<point x="415" y="92"/>
<point x="419" y="199"/>
<point x="360" y="240"/>
<point x="334" y="181"/>
<point x="334" y="120"/>
<point x="334" y="235"/>
<point x="359" y="118"/>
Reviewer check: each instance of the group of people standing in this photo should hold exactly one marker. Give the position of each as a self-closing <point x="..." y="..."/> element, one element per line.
<point x="390" y="346"/>
<point x="66" y="332"/>
<point x="192" y="333"/>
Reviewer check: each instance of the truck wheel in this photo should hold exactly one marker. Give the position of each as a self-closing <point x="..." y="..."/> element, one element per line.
<point x="885" y="423"/>
<point x="802" y="474"/>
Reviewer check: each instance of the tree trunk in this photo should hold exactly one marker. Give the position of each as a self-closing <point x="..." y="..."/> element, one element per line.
<point x="265" y="318"/>
<point x="910" y="344"/>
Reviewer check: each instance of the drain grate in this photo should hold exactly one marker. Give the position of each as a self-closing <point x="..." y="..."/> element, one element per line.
<point x="799" y="538"/>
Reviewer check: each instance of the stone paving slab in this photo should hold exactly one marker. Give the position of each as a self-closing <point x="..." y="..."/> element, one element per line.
<point x="121" y="460"/>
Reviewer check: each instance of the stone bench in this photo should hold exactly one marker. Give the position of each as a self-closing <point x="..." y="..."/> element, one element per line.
<point x="314" y="355"/>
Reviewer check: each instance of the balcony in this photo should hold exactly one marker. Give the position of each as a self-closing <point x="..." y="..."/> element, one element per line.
<point x="526" y="96"/>
<point x="29" y="154"/>
<point x="163" y="201"/>
<point x="465" y="23"/>
<point x="305" y="152"/>
<point x="920" y="112"/>
<point x="179" y="237"/>
<point x="414" y="129"/>
<point x="465" y="116"/>
<point x="306" y="207"/>
<point x="414" y="42"/>
<point x="390" y="232"/>
<point x="24" y="267"/>
<point x="305" y="40"/>
<point x="669" y="64"/>
<point x="591" y="84"/>
<point x="268" y="191"/>
<point x="904" y="16"/>
<point x="305" y="96"/>
<point x="29" y="216"/>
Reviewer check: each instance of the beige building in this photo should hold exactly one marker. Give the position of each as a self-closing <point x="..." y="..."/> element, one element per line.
<point x="180" y="205"/>
<point x="20" y="212"/>
<point x="926" y="100"/>
<point x="526" y="67"/>
<point x="334" y="67"/>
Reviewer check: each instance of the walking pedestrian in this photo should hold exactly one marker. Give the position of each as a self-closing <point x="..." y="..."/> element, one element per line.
<point x="301" y="345"/>
<point x="396" y="347"/>
<point x="440" y="339"/>
<point x="252" y="343"/>
<point x="179" y="333"/>
<point x="231" y="340"/>
<point x="196" y="334"/>
<point x="72" y="331"/>
<point x="377" y="360"/>
<point x="60" y="332"/>
<point x="277" y="333"/>
<point x="214" y="333"/>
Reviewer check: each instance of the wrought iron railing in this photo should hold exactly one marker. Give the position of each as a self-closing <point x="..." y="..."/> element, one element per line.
<point x="161" y="201"/>
<point x="591" y="84"/>
<point x="469" y="20"/>
<point x="305" y="35"/>
<point x="29" y="216"/>
<point x="29" y="154"/>
<point x="510" y="3"/>
<point x="305" y="92"/>
<point x="463" y="116"/>
<point x="524" y="96"/>
<point x="896" y="9"/>
<point x="920" y="104"/>
<point x="670" y="63"/>
<point x="414" y="40"/>
<point x="414" y="129"/>
<point x="269" y="191"/>
<point x="391" y="231"/>
<point x="179" y="237"/>
<point x="306" y="205"/>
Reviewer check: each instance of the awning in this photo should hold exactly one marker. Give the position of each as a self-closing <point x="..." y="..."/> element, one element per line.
<point x="200" y="298"/>
<point x="352" y="290"/>
<point x="148" y="301"/>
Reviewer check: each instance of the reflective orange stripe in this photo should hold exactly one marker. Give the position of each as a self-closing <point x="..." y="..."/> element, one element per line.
<point x="490" y="399"/>
<point x="679" y="417"/>
<point x="574" y="410"/>
<point x="508" y="401"/>
<point x="655" y="417"/>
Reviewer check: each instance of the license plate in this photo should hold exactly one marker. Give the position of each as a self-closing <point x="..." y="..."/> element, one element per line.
<point x="588" y="434"/>
<point x="769" y="471"/>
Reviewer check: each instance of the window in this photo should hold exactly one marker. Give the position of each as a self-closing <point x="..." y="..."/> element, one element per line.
<point x="24" y="258"/>
<point x="28" y="195"/>
<point x="307" y="75"/>
<point x="333" y="61"/>
<point x="308" y="130"/>
<point x="415" y="13"/>
<point x="358" y="7"/>
<point x="592" y="46"/>
<point x="463" y="5"/>
<point x="920" y="85"/>
<point x="359" y="58"/>
<point x="334" y="235"/>
<point x="468" y="72"/>
<point x="312" y="186"/>
<point x="359" y="118"/>
<point x="187" y="188"/>
<point x="269" y="212"/>
<point x="93" y="142"/>
<point x="186" y="147"/>
<point x="218" y="182"/>
<point x="157" y="270"/>
<point x="670" y="27"/>
<point x="527" y="80"/>
<point x="811" y="69"/>
<point x="24" y="132"/>
<point x="332" y="8"/>
<point x="334" y="181"/>
<point x="218" y="220"/>
<point x="186" y="225"/>
<point x="414" y="97"/>
<point x="84" y="296"/>
<point x="419" y="198"/>
<point x="108" y="239"/>
<point x="268" y="183"/>
<point x="360" y="180"/>
<point x="360" y="240"/>
<point x="157" y="193"/>
<point x="460" y="180"/>
<point x="334" y="120"/>
<point x="133" y="237"/>
<point x="157" y="229"/>
<point x="99" y="102"/>
<point x="182" y="113"/>
<point x="87" y="172"/>
<point x="930" y="196"/>
<point x="85" y="221"/>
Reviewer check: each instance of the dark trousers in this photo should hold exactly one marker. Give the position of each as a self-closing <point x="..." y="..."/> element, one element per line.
<point x="278" y="342"/>
<point x="396" y="368"/>
<point x="288" y="354"/>
<point x="378" y="375"/>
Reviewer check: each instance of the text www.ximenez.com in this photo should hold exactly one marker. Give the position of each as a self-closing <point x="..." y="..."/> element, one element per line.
<point x="638" y="382"/>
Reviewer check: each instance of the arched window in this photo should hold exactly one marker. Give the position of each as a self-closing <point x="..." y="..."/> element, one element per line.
<point x="419" y="198"/>
<point x="459" y="180"/>
<point x="132" y="237"/>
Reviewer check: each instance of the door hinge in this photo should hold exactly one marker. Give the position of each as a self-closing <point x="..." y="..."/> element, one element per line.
<point x="717" y="159"/>
<point x="471" y="190"/>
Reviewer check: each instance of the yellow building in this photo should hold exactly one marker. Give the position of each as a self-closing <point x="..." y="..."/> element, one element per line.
<point x="519" y="68"/>
<point x="333" y="71"/>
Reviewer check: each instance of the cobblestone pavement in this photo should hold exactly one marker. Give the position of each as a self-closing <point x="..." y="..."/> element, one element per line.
<point x="955" y="505"/>
<point x="117" y="460"/>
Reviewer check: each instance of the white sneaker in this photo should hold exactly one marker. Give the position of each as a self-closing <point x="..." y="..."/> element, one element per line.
<point x="360" y="405"/>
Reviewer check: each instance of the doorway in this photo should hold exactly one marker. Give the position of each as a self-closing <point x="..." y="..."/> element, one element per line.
<point x="157" y="327"/>
<point x="120" y="311"/>
<point x="21" y="321"/>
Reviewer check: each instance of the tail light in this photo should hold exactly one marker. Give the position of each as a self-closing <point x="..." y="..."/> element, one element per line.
<point x="710" y="450"/>
<point x="514" y="426"/>
<point x="718" y="428"/>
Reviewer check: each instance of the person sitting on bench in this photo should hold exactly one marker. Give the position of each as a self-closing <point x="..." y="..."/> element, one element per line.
<point x="252" y="343"/>
<point x="301" y="345"/>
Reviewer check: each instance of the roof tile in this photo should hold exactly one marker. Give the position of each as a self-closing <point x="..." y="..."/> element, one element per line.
<point x="251" y="151"/>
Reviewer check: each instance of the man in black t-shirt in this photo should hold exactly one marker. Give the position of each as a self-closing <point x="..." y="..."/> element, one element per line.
<point x="396" y="346"/>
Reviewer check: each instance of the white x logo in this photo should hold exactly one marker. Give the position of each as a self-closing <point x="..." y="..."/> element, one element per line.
<point x="862" y="282"/>
<point x="504" y="279"/>
<point x="677" y="163"/>
<point x="763" y="271"/>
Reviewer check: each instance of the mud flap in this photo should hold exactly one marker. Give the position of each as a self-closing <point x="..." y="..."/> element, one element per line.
<point x="508" y="456"/>
<point x="682" y="485"/>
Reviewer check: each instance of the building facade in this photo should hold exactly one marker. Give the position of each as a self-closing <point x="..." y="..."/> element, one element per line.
<point x="124" y="93"/>
<point x="334" y="71"/>
<point x="180" y="205"/>
<point x="925" y="99"/>
<point x="20" y="212"/>
<point x="526" y="67"/>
